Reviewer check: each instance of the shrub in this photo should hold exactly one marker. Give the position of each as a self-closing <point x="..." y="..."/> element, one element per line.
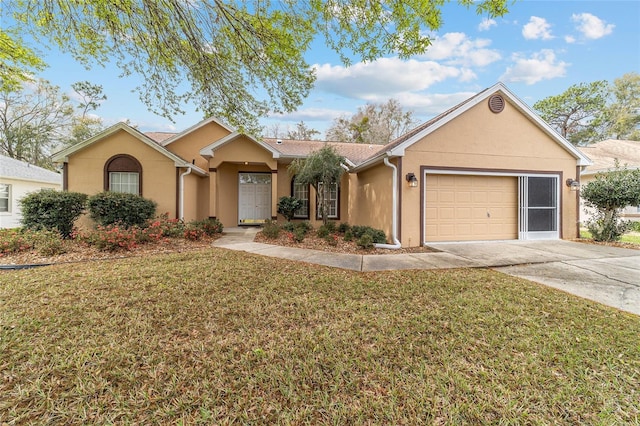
<point x="331" y="239"/>
<point x="365" y="241"/>
<point x="635" y="226"/>
<point x="193" y="233"/>
<point x="271" y="229"/>
<point x="377" y="235"/>
<point x="289" y="226"/>
<point x="348" y="235"/>
<point x="306" y="225"/>
<point x="49" y="243"/>
<point x="171" y="228"/>
<point x="108" y="208"/>
<point x="323" y="231"/>
<point x="112" y="238"/>
<point x="331" y="227"/>
<point x="209" y="226"/>
<point x="52" y="210"/>
<point x="15" y="240"/>
<point x="288" y="206"/>
<point x="298" y="234"/>
<point x="343" y="227"/>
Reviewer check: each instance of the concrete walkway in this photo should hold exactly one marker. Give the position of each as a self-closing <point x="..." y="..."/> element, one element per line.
<point x="609" y="275"/>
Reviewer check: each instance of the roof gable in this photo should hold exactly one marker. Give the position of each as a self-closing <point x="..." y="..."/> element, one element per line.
<point x="63" y="156"/>
<point x="605" y="153"/>
<point x="196" y="127"/>
<point x="209" y="150"/>
<point x="397" y="147"/>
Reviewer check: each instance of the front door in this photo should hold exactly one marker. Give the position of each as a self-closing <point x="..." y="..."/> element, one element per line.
<point x="254" y="198"/>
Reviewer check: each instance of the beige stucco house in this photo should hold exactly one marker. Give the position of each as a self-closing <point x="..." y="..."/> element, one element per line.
<point x="604" y="156"/>
<point x="487" y="169"/>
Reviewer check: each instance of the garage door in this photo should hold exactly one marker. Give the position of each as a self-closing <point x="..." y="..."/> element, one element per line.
<point x="467" y="208"/>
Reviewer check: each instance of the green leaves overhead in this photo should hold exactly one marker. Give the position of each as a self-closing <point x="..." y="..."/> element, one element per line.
<point x="236" y="60"/>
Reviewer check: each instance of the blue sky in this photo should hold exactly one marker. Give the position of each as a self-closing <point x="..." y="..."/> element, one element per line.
<point x="539" y="49"/>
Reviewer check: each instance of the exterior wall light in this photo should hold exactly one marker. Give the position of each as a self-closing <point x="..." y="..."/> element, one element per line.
<point x="573" y="184"/>
<point x="412" y="179"/>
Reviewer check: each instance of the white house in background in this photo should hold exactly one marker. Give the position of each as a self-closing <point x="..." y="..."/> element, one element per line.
<point x="604" y="155"/>
<point x="17" y="179"/>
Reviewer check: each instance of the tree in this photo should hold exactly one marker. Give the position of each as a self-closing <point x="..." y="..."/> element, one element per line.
<point x="229" y="53"/>
<point x="622" y="116"/>
<point x="373" y="124"/>
<point x="33" y="120"/>
<point x="85" y="125"/>
<point x="17" y="62"/>
<point x="322" y="170"/>
<point x="302" y="133"/>
<point x="577" y="113"/>
<point x="608" y="194"/>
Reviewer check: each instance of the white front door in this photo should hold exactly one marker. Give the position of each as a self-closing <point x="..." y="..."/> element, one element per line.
<point x="254" y="198"/>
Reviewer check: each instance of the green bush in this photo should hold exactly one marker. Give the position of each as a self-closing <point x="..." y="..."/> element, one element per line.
<point x="112" y="238"/>
<point x="171" y="228"/>
<point x="108" y="208"/>
<point x="635" y="226"/>
<point x="49" y="243"/>
<point x="289" y="226"/>
<point x="365" y="241"/>
<point x="378" y="236"/>
<point x="288" y="206"/>
<point x="305" y="225"/>
<point x="271" y="229"/>
<point x="193" y="233"/>
<point x="348" y="235"/>
<point x="209" y="226"/>
<point x="52" y="210"/>
<point x="298" y="234"/>
<point x="331" y="227"/>
<point x="331" y="239"/>
<point x="322" y="231"/>
<point x="15" y="240"/>
<point x="343" y="227"/>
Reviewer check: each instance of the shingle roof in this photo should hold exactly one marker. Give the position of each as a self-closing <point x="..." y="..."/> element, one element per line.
<point x="354" y="152"/>
<point x="16" y="169"/>
<point x="159" y="136"/>
<point x="604" y="154"/>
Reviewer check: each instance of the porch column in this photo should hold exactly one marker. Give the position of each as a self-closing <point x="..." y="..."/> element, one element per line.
<point x="213" y="193"/>
<point x="274" y="194"/>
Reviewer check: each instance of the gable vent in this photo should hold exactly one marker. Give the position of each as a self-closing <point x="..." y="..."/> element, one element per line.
<point x="279" y="141"/>
<point x="496" y="103"/>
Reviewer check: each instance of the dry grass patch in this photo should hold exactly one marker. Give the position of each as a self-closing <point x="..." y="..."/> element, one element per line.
<point x="219" y="337"/>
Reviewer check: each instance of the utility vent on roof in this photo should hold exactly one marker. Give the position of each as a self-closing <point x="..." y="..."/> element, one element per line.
<point x="279" y="141"/>
<point x="496" y="103"/>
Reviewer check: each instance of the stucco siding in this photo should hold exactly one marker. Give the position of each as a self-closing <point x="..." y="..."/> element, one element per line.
<point x="188" y="146"/>
<point x="86" y="169"/>
<point x="372" y="205"/>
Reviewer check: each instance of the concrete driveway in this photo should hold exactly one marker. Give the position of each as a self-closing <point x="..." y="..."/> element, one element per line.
<point x="609" y="275"/>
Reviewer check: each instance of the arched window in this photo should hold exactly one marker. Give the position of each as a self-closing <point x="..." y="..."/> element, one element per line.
<point x="123" y="173"/>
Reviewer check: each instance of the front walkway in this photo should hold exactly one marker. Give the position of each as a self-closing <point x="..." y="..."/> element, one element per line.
<point x="609" y="275"/>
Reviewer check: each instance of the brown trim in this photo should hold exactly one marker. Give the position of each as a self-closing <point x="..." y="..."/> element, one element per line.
<point x="212" y="217"/>
<point x="274" y="171"/>
<point x="423" y="184"/>
<point x="274" y="217"/>
<point x="308" y="215"/>
<point x="65" y="176"/>
<point x="213" y="169"/>
<point x="177" y="193"/>
<point x="131" y="164"/>
<point x="486" y="171"/>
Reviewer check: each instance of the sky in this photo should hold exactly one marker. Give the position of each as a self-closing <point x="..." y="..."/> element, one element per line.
<point x="538" y="49"/>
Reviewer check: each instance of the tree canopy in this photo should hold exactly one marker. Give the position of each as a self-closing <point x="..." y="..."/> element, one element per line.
<point x="237" y="60"/>
<point x="374" y="123"/>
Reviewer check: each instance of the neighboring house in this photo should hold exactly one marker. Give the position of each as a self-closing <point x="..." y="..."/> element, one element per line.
<point x="17" y="179"/>
<point x="604" y="155"/>
<point x="487" y="169"/>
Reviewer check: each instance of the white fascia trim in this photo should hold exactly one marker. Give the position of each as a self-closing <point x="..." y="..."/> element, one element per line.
<point x="63" y="155"/>
<point x="208" y="151"/>
<point x="196" y="127"/>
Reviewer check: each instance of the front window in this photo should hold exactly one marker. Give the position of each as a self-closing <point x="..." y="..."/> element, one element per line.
<point x="127" y="182"/>
<point x="5" y="197"/>
<point x="301" y="192"/>
<point x="332" y="200"/>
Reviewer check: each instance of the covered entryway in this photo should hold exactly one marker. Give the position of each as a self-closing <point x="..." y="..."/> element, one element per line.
<point x="470" y="208"/>
<point x="487" y="206"/>
<point x="254" y="198"/>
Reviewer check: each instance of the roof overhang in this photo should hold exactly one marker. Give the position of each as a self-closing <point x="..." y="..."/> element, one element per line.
<point x="209" y="150"/>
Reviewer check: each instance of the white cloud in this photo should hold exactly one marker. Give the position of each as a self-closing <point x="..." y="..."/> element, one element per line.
<point x="458" y="49"/>
<point x="486" y="24"/>
<point x="537" y="28"/>
<point x="312" y="114"/>
<point x="385" y="77"/>
<point x="591" y="26"/>
<point x="570" y="39"/>
<point x="429" y="104"/>
<point x="540" y="66"/>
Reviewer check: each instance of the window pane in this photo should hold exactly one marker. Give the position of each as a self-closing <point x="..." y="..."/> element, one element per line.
<point x="542" y="192"/>
<point x="4" y="197"/>
<point x="301" y="192"/>
<point x="332" y="200"/>
<point x="124" y="182"/>
<point x="542" y="219"/>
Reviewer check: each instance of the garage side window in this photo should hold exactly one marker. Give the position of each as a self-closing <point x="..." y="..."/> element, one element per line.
<point x="301" y="192"/>
<point x="5" y="198"/>
<point x="123" y="173"/>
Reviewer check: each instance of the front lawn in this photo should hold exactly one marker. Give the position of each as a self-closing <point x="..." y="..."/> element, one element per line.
<point x="219" y="337"/>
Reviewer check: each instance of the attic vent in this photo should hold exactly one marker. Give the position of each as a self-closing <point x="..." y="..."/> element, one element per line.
<point x="496" y="103"/>
<point x="279" y="141"/>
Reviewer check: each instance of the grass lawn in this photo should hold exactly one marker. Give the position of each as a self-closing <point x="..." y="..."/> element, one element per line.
<point x="629" y="237"/>
<point x="220" y="337"/>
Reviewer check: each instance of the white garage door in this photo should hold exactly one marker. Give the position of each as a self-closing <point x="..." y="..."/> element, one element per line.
<point x="468" y="208"/>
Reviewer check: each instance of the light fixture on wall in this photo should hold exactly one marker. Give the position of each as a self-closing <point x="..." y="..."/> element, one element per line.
<point x="412" y="179"/>
<point x="573" y="184"/>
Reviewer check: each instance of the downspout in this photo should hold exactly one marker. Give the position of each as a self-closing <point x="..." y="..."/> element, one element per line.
<point x="181" y="206"/>
<point x="394" y="214"/>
